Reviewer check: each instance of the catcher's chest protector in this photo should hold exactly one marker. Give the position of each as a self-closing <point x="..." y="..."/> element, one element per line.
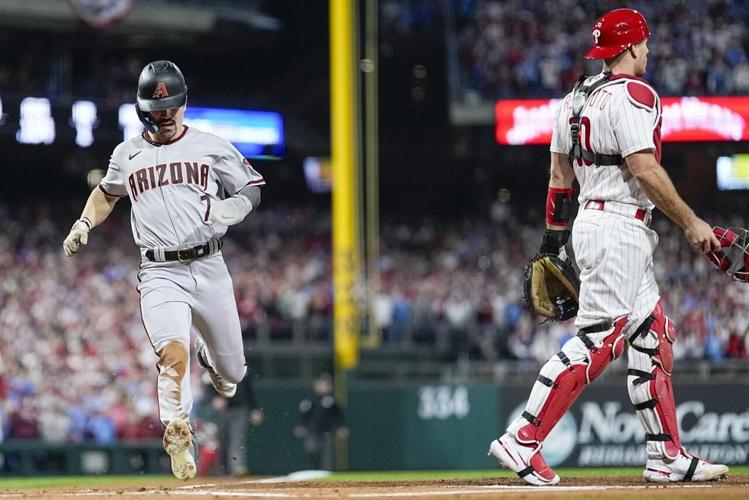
<point x="584" y="88"/>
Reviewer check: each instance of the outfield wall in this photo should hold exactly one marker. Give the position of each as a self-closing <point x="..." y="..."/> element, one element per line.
<point x="450" y="426"/>
<point x="433" y="426"/>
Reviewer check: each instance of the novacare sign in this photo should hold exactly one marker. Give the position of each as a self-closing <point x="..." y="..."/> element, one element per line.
<point x="601" y="430"/>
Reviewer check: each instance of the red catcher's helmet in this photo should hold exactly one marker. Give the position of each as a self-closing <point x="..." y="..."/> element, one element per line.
<point x="616" y="31"/>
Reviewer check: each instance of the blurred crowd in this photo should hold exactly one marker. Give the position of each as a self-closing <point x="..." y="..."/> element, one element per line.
<point x="95" y="74"/>
<point x="77" y="366"/>
<point x="501" y="48"/>
<point x="515" y="48"/>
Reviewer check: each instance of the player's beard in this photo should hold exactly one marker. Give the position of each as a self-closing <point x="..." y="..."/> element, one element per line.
<point x="167" y="129"/>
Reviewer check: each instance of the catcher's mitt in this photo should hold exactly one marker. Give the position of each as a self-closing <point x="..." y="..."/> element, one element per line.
<point x="551" y="287"/>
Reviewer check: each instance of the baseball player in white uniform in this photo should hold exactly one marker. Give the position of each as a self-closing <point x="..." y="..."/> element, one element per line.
<point x="607" y="136"/>
<point x="186" y="187"/>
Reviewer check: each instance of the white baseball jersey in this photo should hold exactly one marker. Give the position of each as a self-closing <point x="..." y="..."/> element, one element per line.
<point x="171" y="186"/>
<point x="621" y="117"/>
<point x="613" y="249"/>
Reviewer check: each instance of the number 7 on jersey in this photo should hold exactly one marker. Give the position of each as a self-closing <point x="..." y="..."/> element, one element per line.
<point x="207" y="199"/>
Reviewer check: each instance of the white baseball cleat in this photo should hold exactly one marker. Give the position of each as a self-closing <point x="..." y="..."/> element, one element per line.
<point x="178" y="441"/>
<point x="684" y="468"/>
<point x="224" y="388"/>
<point x="526" y="461"/>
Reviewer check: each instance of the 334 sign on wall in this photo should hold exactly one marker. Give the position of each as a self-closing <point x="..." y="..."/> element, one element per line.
<point x="443" y="401"/>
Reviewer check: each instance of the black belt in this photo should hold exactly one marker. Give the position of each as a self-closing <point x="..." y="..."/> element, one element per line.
<point x="186" y="255"/>
<point x="598" y="159"/>
<point x="601" y="159"/>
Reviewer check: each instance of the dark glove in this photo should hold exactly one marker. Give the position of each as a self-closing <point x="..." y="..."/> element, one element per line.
<point x="553" y="241"/>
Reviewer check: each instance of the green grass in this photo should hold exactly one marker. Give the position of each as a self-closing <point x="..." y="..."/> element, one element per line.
<point x="83" y="481"/>
<point x="168" y="481"/>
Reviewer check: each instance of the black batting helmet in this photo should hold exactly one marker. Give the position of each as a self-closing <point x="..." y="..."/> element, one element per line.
<point x="161" y="86"/>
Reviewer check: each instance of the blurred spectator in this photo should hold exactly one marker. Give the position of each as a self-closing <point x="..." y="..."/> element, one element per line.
<point x="24" y="422"/>
<point x="3" y="399"/>
<point x="321" y="420"/>
<point x="233" y="418"/>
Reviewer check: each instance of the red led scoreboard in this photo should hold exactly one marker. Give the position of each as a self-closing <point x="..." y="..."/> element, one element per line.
<point x="529" y="121"/>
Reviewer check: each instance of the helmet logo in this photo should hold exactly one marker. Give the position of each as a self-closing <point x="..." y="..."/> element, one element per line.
<point x="160" y="91"/>
<point x="596" y="35"/>
<point x="622" y="28"/>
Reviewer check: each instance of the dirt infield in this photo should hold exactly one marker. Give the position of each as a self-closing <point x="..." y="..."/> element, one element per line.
<point x="571" y="487"/>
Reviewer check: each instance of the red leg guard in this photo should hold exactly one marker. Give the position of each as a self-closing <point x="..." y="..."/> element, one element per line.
<point x="666" y="333"/>
<point x="665" y="409"/>
<point x="652" y="361"/>
<point x="570" y="382"/>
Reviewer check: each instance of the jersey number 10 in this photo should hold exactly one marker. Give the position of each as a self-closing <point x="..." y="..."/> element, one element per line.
<point x="584" y="138"/>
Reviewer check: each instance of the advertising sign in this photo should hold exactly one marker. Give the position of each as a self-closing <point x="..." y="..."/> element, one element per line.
<point x="685" y="119"/>
<point x="602" y="428"/>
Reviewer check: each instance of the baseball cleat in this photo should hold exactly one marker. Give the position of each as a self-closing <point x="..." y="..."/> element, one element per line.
<point x="178" y="442"/>
<point x="224" y="388"/>
<point x="526" y="461"/>
<point x="684" y="468"/>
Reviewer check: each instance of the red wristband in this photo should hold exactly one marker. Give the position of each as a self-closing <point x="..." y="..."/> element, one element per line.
<point x="558" y="206"/>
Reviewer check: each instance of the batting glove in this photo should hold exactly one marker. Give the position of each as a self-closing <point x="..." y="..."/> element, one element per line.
<point x="77" y="237"/>
<point x="231" y="210"/>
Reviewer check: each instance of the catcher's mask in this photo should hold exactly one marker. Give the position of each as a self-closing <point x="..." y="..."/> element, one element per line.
<point x="160" y="86"/>
<point x="733" y="257"/>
